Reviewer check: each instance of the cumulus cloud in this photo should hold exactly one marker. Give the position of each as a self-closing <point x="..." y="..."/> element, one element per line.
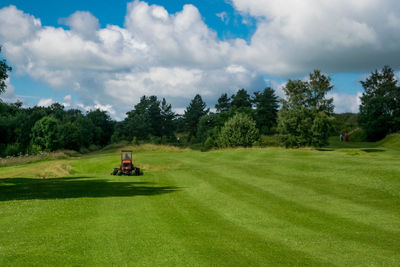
<point x="8" y="95"/>
<point x="177" y="55"/>
<point x="156" y="53"/>
<point x="293" y="37"/>
<point x="45" y="102"/>
<point x="346" y="102"/>
<point x="83" y="23"/>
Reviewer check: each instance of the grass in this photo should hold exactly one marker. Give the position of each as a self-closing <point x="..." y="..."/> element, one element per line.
<point x="338" y="206"/>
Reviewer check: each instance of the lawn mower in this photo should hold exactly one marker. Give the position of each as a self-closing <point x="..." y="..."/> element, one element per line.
<point x="126" y="167"/>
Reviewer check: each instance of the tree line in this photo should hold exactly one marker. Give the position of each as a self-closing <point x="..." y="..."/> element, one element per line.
<point x="303" y="118"/>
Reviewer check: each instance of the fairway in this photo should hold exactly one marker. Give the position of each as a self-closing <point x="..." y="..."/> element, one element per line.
<point x="254" y="207"/>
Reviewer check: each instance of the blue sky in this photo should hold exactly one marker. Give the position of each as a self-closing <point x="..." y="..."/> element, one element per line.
<point x="84" y="53"/>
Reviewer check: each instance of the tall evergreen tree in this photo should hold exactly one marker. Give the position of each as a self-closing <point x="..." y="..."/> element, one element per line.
<point x="167" y="119"/>
<point x="266" y="111"/>
<point x="380" y="104"/>
<point x="224" y="103"/>
<point x="196" y="109"/>
<point x="241" y="99"/>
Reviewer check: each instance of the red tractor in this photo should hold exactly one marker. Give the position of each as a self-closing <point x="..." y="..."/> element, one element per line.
<point x="126" y="167"/>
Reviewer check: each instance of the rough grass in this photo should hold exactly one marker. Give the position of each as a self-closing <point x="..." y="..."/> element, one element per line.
<point x="255" y="207"/>
<point x="24" y="159"/>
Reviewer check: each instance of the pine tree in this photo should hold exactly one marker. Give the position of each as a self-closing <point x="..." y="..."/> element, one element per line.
<point x="380" y="104"/>
<point x="193" y="113"/>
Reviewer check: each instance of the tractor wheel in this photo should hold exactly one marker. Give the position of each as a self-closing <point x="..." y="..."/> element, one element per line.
<point x="115" y="171"/>
<point x="138" y="172"/>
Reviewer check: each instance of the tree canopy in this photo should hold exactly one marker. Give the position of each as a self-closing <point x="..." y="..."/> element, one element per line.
<point x="196" y="109"/>
<point x="4" y="68"/>
<point x="306" y="114"/>
<point x="380" y="104"/>
<point x="266" y="110"/>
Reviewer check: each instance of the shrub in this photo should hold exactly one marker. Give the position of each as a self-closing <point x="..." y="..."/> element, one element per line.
<point x="208" y="144"/>
<point x="12" y="150"/>
<point x="358" y="135"/>
<point x="240" y="130"/>
<point x="269" y="140"/>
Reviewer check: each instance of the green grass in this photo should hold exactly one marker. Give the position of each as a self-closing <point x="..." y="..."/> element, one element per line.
<point x="338" y="206"/>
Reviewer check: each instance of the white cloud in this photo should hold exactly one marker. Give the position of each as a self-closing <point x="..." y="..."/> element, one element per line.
<point x="45" y="102"/>
<point x="346" y="102"/>
<point x="67" y="98"/>
<point x="294" y="37"/>
<point x="223" y="16"/>
<point x="8" y="95"/>
<point x="169" y="55"/>
<point x="83" y="23"/>
<point x="177" y="55"/>
<point x="16" y="25"/>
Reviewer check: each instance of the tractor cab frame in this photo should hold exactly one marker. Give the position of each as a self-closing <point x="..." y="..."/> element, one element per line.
<point x="126" y="167"/>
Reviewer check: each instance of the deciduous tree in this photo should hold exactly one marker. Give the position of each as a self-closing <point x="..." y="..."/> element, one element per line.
<point x="306" y="114"/>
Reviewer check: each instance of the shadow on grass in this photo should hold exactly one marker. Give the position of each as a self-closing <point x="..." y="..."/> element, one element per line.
<point x="75" y="187"/>
<point x="372" y="150"/>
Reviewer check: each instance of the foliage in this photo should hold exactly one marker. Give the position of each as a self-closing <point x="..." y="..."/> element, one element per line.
<point x="167" y="120"/>
<point x="207" y="126"/>
<point x="150" y="117"/>
<point x="240" y="130"/>
<point x="344" y="123"/>
<point x="196" y="109"/>
<point x="269" y="140"/>
<point x="46" y="133"/>
<point x="380" y="104"/>
<point x="306" y="115"/>
<point x="241" y="102"/>
<point x="4" y="68"/>
<point x="104" y="126"/>
<point x="266" y="112"/>
<point x="224" y="103"/>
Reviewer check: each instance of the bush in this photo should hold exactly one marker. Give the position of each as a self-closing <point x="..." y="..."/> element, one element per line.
<point x="34" y="150"/>
<point x="134" y="141"/>
<point x="93" y="147"/>
<point x="269" y="140"/>
<point x="12" y="150"/>
<point x="156" y="140"/>
<point x="240" y="130"/>
<point x="358" y="135"/>
<point x="208" y="144"/>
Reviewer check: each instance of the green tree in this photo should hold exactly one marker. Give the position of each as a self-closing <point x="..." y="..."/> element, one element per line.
<point x="72" y="137"/>
<point x="104" y="126"/>
<point x="46" y="134"/>
<point x="207" y="127"/>
<point x="155" y="117"/>
<point x="167" y="119"/>
<point x="306" y="115"/>
<point x="241" y="102"/>
<point x="380" y="104"/>
<point x="266" y="111"/>
<point x="240" y="130"/>
<point x="193" y="113"/>
<point x="4" y="68"/>
<point x="224" y="103"/>
<point x="145" y="119"/>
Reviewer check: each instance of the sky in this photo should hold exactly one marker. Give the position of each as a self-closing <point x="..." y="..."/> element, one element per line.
<point x="107" y="54"/>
